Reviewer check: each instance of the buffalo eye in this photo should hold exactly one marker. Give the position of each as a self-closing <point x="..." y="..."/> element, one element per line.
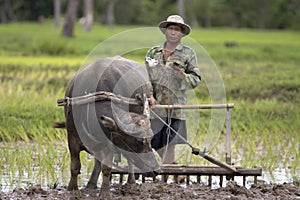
<point x="142" y="140"/>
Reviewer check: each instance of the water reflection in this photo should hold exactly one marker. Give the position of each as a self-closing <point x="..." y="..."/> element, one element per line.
<point x="9" y="182"/>
<point x="23" y="166"/>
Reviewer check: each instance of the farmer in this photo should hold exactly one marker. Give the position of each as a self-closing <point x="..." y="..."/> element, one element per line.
<point x="172" y="68"/>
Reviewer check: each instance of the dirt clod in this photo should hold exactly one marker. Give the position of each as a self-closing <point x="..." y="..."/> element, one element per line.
<point x="164" y="191"/>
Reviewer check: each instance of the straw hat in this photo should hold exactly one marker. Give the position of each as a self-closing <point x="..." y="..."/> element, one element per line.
<point x="175" y="19"/>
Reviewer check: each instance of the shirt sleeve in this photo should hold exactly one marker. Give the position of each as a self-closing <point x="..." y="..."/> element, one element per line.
<point x="193" y="76"/>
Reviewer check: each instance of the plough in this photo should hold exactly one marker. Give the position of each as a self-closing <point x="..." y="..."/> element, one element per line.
<point x="223" y="169"/>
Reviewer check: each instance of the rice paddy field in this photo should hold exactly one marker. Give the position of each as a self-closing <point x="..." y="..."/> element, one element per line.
<point x="260" y="70"/>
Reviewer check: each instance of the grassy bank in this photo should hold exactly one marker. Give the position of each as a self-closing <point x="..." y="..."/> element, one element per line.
<point x="260" y="74"/>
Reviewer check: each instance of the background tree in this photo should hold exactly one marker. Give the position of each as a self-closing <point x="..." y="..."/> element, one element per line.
<point x="285" y="14"/>
<point x="181" y="8"/>
<point x="206" y="11"/>
<point x="88" y="15"/>
<point x="110" y="12"/>
<point x="127" y="12"/>
<point x="71" y="16"/>
<point x="192" y="11"/>
<point x="237" y="10"/>
<point x="57" y="12"/>
<point x="278" y="14"/>
<point x="264" y="10"/>
<point x="6" y="12"/>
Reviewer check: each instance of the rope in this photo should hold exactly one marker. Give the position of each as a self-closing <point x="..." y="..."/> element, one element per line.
<point x="168" y="131"/>
<point x="169" y="114"/>
<point x="171" y="129"/>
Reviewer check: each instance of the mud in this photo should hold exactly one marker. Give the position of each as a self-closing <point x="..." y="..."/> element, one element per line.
<point x="164" y="191"/>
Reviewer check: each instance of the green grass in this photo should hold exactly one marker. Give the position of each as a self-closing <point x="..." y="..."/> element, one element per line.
<point x="252" y="45"/>
<point x="260" y="75"/>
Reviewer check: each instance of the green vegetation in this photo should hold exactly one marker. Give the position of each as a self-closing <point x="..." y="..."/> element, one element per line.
<point x="273" y="14"/>
<point x="260" y="73"/>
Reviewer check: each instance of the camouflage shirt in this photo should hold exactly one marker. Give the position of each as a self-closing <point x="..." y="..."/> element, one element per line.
<point x="167" y="87"/>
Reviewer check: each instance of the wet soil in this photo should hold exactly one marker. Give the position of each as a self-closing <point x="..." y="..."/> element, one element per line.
<point x="164" y="191"/>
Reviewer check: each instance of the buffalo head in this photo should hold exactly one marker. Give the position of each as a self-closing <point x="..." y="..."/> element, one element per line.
<point x="131" y="135"/>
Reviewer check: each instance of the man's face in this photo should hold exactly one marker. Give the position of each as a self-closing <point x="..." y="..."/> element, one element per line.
<point x="173" y="34"/>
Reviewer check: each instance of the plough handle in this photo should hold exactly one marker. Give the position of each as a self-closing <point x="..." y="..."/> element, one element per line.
<point x="231" y="168"/>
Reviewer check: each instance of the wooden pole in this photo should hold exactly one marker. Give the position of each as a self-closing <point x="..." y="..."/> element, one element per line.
<point x="219" y="163"/>
<point x="197" y="106"/>
<point x="103" y="96"/>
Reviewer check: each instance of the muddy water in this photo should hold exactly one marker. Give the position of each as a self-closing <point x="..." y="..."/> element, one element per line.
<point x="23" y="175"/>
<point x="9" y="182"/>
<point x="157" y="190"/>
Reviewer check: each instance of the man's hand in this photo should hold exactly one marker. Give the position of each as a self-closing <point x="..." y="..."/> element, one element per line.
<point x="152" y="101"/>
<point x="178" y="72"/>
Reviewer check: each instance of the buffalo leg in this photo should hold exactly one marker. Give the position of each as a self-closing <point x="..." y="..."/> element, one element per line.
<point x="75" y="169"/>
<point x="131" y="177"/>
<point x="92" y="184"/>
<point x="105" y="188"/>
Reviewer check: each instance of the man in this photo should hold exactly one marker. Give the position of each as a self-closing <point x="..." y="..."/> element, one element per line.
<point x="173" y="69"/>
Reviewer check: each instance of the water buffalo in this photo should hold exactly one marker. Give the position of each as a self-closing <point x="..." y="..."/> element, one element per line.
<point x="103" y="127"/>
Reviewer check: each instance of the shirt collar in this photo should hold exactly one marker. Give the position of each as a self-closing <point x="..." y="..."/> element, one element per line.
<point x="178" y="47"/>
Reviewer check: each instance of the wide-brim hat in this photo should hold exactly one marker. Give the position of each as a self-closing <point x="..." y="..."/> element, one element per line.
<point x="175" y="19"/>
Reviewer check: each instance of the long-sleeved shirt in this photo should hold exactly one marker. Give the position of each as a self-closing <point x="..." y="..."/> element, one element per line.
<point x="168" y="87"/>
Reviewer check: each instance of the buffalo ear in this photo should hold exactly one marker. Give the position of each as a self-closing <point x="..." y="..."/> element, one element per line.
<point x="109" y="123"/>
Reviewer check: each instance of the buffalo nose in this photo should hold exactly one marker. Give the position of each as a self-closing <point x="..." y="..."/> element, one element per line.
<point x="149" y="174"/>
